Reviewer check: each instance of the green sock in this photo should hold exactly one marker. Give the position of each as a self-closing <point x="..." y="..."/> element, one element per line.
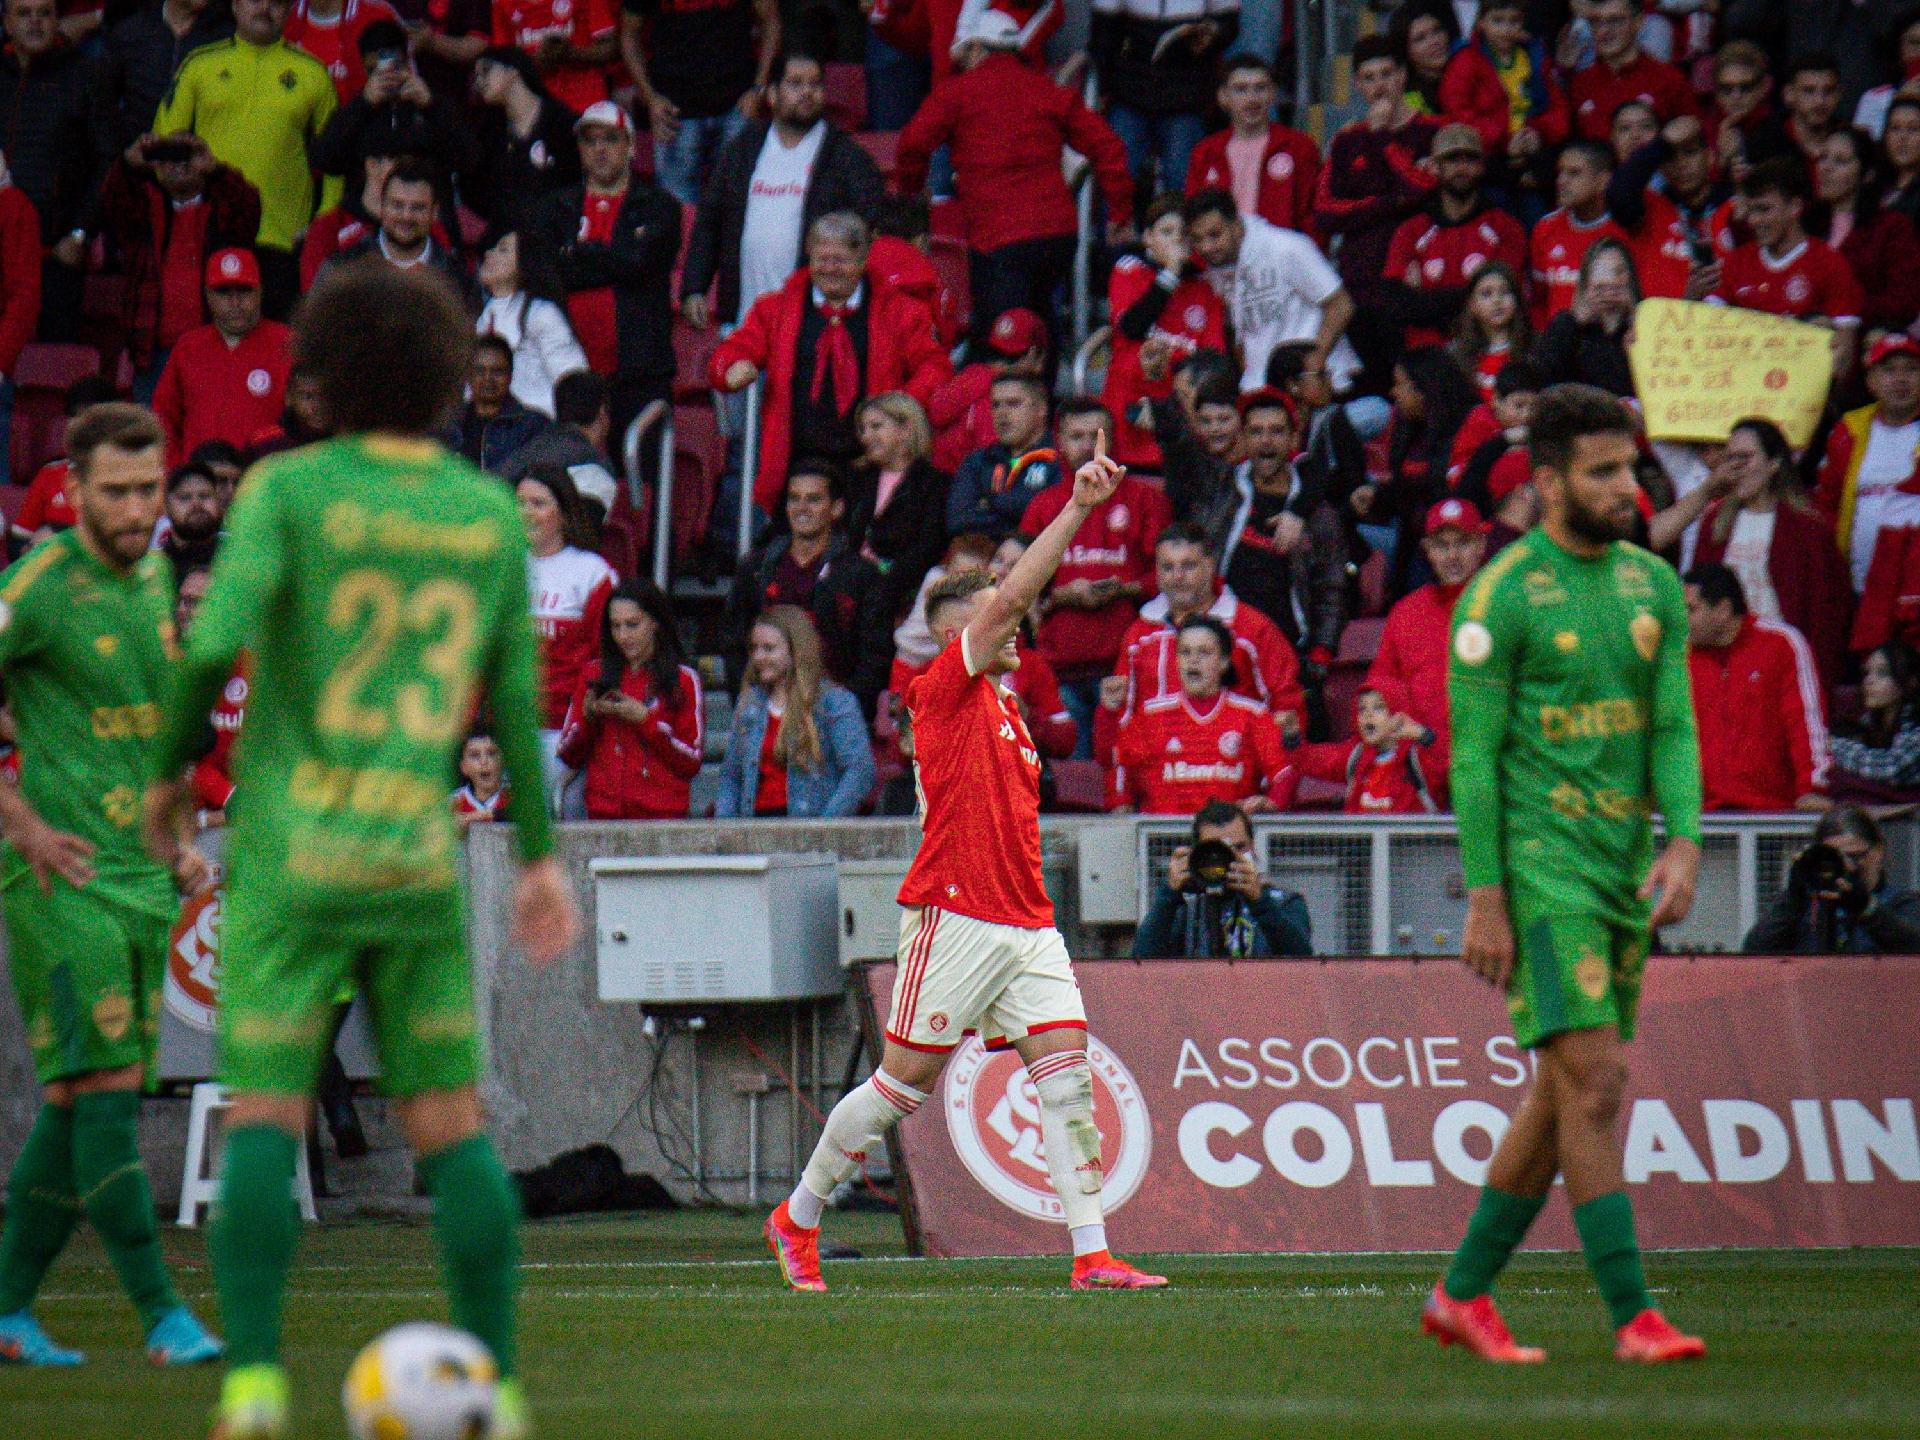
<point x="1606" y="1234"/>
<point x="255" y="1229"/>
<point x="42" y="1208"/>
<point x="112" y="1185"/>
<point x="1498" y="1226"/>
<point x="476" y="1216"/>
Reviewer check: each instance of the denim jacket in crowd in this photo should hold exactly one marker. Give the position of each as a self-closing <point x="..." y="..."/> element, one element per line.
<point x="846" y="768"/>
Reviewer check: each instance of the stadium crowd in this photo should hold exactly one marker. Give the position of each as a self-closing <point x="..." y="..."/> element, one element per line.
<point x="1321" y="353"/>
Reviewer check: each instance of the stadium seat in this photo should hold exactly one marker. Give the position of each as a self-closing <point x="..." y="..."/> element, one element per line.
<point x="883" y="146"/>
<point x="687" y="216"/>
<point x="847" y="96"/>
<point x="692" y="349"/>
<point x="103" y="313"/>
<point x="1373" y="585"/>
<point x="1318" y="795"/>
<point x="1343" y="687"/>
<point x="699" y="455"/>
<point x="1360" y="641"/>
<point x="1079" y="786"/>
<point x="40" y="382"/>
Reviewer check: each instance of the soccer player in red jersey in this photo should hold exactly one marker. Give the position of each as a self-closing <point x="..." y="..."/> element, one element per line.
<point x="978" y="947"/>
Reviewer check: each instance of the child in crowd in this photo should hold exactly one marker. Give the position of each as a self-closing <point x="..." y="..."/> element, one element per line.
<point x="1385" y="767"/>
<point x="484" y="795"/>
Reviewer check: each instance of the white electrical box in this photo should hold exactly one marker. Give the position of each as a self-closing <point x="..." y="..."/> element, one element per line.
<point x="705" y="929"/>
<point x="1109" y="879"/>
<point x="870" y="909"/>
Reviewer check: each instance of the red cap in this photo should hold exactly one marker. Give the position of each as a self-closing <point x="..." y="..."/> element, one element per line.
<point x="1266" y="396"/>
<point x="1455" y="514"/>
<point x="1896" y="343"/>
<point x="1509" y="473"/>
<point x="233" y="270"/>
<point x="1016" y="332"/>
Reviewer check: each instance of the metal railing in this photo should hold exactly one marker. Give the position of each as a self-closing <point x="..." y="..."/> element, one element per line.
<point x="1086" y="355"/>
<point x="1384" y="885"/>
<point x="657" y="412"/>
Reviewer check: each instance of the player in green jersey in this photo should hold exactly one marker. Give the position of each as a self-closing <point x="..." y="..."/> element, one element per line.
<point x="86" y="639"/>
<point x="1572" y="724"/>
<point x="380" y="584"/>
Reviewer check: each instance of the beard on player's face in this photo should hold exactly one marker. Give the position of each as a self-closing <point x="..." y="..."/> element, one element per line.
<point x="1602" y="524"/>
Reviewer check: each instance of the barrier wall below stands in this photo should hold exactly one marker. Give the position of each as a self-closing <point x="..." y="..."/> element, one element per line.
<point x="1312" y="1106"/>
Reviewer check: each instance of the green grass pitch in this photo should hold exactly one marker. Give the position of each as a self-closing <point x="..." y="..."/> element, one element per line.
<point x="676" y="1325"/>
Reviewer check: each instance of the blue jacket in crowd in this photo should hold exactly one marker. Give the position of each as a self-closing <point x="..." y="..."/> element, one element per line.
<point x="846" y="769"/>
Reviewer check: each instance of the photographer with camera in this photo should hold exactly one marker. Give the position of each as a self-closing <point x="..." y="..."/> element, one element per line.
<point x="1837" y="900"/>
<point x="1214" y="904"/>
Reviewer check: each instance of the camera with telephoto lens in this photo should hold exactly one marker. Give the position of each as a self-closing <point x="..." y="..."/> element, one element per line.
<point x="1820" y="869"/>
<point x="1207" y="867"/>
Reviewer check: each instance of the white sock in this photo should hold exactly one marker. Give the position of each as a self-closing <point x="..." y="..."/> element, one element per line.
<point x="864" y="1114"/>
<point x="1088" y="1239"/>
<point x="1064" y="1082"/>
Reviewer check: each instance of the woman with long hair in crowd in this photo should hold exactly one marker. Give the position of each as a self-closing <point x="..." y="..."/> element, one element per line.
<point x="636" y="724"/>
<point x="1879" y="245"/>
<point x="1900" y="157"/>
<point x="1882" y="748"/>
<point x="1432" y="398"/>
<point x="799" y="744"/>
<point x="1423" y="33"/>
<point x="1587" y="342"/>
<point x="524" y="308"/>
<point x="897" y="505"/>
<point x="1770" y="535"/>
<point x="1494" y="326"/>
<point x="570" y="585"/>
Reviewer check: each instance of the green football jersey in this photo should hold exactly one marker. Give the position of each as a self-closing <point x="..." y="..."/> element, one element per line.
<point x="381" y="587"/>
<point x="86" y="652"/>
<point x="1572" y="718"/>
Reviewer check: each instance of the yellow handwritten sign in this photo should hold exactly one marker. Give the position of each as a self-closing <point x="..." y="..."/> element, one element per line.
<point x="1700" y="369"/>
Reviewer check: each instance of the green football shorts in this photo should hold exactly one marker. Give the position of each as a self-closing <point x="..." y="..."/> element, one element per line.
<point x="1572" y="971"/>
<point x="281" y="976"/>
<point x="87" y="969"/>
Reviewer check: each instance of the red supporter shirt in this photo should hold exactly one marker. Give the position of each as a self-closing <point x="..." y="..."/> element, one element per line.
<point x="1181" y="752"/>
<point x="335" y="43"/>
<point x="570" y="589"/>
<point x="1396" y="779"/>
<point x="772" y="792"/>
<point x="526" y="23"/>
<point x="1194" y="319"/>
<point x="1114" y="542"/>
<point x="46" y="501"/>
<point x="1662" y="255"/>
<point x="465" y="802"/>
<point x="211" y="390"/>
<point x="1810" y="279"/>
<point x="1560" y="244"/>
<point x="1449" y="256"/>
<point x="1599" y="90"/>
<point x="978" y="776"/>
<point x="213" y="774"/>
<point x="592" y="311"/>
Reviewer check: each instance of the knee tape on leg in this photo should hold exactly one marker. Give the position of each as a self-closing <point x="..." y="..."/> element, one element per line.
<point x="1065" y="1088"/>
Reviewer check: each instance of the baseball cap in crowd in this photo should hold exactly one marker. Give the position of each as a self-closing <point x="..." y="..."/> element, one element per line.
<point x="1455" y="514"/>
<point x="233" y="269"/>
<point x="992" y="28"/>
<point x="1457" y="139"/>
<point x="1016" y="332"/>
<point x="1264" y="396"/>
<point x="1888" y="346"/>
<point x="606" y="113"/>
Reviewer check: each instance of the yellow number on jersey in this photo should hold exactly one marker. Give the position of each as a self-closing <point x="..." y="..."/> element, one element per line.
<point x="373" y="603"/>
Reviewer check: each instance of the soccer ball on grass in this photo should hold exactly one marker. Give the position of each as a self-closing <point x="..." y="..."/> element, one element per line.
<point x="422" y="1381"/>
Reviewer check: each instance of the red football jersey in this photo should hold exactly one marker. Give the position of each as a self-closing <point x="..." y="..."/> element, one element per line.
<point x="570" y="589"/>
<point x="592" y="311"/>
<point x="1810" y="279"/>
<point x="1447" y="256"/>
<point x="525" y="23"/>
<point x="978" y="776"/>
<point x="1662" y="255"/>
<point x="336" y="43"/>
<point x="213" y="775"/>
<point x="1114" y="542"/>
<point x="1181" y="753"/>
<point x="1194" y="319"/>
<point x="1560" y="244"/>
<point x="46" y="501"/>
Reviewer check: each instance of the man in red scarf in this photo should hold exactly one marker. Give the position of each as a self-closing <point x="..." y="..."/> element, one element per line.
<point x="834" y="334"/>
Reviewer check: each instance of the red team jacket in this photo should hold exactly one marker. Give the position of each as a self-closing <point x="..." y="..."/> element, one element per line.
<point x="570" y="589"/>
<point x="637" y="772"/>
<point x="1179" y="753"/>
<point x="1114" y="542"/>
<point x="1289" y="171"/>
<point x="1410" y="668"/>
<point x="211" y="390"/>
<point x="1763" y="733"/>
